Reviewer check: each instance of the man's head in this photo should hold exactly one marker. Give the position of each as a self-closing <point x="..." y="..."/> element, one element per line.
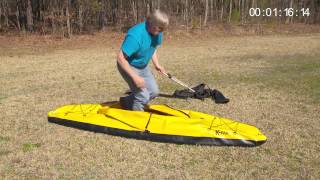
<point x="157" y="22"/>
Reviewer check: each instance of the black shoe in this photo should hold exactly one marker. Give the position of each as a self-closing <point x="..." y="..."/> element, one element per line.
<point x="123" y="103"/>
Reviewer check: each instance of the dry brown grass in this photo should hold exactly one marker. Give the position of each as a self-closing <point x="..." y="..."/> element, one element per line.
<point x="37" y="76"/>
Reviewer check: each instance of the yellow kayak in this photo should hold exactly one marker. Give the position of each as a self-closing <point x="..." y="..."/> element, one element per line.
<point x="158" y="123"/>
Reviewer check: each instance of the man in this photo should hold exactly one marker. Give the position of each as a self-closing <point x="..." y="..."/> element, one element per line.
<point x="138" y="48"/>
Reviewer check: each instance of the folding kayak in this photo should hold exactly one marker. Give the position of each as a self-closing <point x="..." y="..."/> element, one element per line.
<point x="158" y="123"/>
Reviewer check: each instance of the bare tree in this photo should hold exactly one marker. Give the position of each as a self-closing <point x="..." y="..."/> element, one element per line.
<point x="134" y="11"/>
<point x="222" y="10"/>
<point x="186" y="12"/>
<point x="0" y="15"/>
<point x="206" y="13"/>
<point x="17" y="15"/>
<point x="51" y="17"/>
<point x="80" y="18"/>
<point x="102" y="16"/>
<point x="230" y="10"/>
<point x="211" y="9"/>
<point x="29" y="16"/>
<point x="69" y="31"/>
<point x="5" y="12"/>
<point x="242" y="12"/>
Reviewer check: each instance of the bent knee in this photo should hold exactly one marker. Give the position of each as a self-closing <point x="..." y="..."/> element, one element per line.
<point x="154" y="93"/>
<point x="142" y="97"/>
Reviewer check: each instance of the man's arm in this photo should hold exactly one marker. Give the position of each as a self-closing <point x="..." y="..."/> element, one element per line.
<point x="156" y="64"/>
<point x="123" y="63"/>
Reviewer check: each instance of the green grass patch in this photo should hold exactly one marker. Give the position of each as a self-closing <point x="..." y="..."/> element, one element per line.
<point x="298" y="75"/>
<point x="4" y="139"/>
<point x="2" y="98"/>
<point x="30" y="146"/>
<point x="4" y="152"/>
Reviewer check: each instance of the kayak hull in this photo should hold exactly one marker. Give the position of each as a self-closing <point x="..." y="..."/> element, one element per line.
<point x="90" y="121"/>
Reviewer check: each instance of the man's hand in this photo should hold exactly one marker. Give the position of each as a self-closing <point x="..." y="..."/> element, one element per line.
<point x="160" y="69"/>
<point x="139" y="82"/>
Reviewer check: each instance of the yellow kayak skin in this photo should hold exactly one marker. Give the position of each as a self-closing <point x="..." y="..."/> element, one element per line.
<point x="160" y="123"/>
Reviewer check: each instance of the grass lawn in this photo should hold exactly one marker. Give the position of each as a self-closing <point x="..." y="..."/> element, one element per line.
<point x="273" y="83"/>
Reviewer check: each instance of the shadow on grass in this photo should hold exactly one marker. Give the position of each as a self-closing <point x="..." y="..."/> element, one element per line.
<point x="160" y="94"/>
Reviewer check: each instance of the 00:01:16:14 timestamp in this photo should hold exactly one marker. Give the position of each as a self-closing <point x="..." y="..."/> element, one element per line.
<point x="279" y="12"/>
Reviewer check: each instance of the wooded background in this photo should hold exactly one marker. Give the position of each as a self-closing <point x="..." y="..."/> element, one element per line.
<point x="78" y="16"/>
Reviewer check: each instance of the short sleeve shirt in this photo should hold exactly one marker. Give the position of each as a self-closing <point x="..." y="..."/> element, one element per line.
<point x="139" y="45"/>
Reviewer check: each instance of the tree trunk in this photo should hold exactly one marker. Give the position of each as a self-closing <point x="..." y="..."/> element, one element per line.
<point x="40" y="10"/>
<point x="230" y="11"/>
<point x="134" y="11"/>
<point x="17" y="16"/>
<point x="253" y="5"/>
<point x="6" y="12"/>
<point x="68" y="20"/>
<point x="52" y="19"/>
<point x="206" y="13"/>
<point x="289" y="18"/>
<point x="80" y="18"/>
<point x="104" y="17"/>
<point x="186" y="13"/>
<point x="148" y="8"/>
<point x="0" y="16"/>
<point x="242" y="12"/>
<point x="29" y="16"/>
<point x="211" y="9"/>
<point x="222" y="9"/>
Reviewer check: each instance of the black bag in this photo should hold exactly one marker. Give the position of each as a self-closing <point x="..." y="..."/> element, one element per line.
<point x="201" y="92"/>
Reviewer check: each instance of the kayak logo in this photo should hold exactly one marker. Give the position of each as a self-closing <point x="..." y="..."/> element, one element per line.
<point x="219" y="132"/>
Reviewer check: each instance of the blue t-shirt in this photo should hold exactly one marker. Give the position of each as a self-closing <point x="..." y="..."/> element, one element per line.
<point x="139" y="45"/>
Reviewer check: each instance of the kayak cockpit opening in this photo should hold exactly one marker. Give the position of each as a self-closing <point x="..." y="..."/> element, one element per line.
<point x="163" y="110"/>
